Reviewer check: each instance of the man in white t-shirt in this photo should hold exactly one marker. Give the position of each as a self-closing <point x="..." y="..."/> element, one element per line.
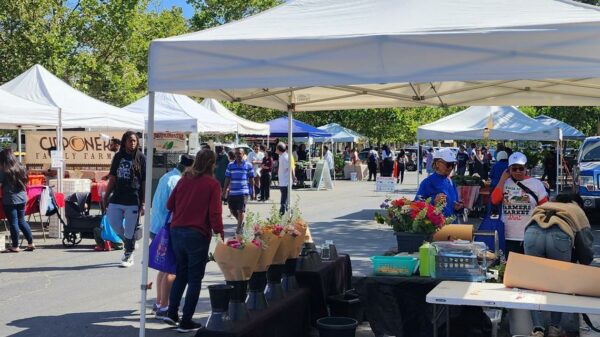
<point x="283" y="171"/>
<point x="255" y="158"/>
<point x="519" y="194"/>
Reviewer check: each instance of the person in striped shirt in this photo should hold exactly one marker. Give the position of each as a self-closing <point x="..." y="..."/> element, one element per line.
<point x="238" y="179"/>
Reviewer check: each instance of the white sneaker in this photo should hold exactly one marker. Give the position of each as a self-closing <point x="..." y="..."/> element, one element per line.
<point x="125" y="256"/>
<point x="128" y="262"/>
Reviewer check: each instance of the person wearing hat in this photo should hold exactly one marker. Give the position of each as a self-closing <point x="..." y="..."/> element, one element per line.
<point x="519" y="195"/>
<point x="498" y="168"/>
<point x="438" y="186"/>
<point x="165" y="186"/>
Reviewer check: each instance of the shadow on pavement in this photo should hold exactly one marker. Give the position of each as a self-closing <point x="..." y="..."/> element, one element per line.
<point x="365" y="215"/>
<point x="62" y="268"/>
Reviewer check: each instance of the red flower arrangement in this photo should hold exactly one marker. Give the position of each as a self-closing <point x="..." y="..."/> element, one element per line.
<point x="420" y="216"/>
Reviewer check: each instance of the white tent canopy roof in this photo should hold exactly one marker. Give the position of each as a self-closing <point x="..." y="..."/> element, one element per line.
<point x="342" y="54"/>
<point x="18" y="112"/>
<point x="502" y="123"/>
<point x="568" y="131"/>
<point x="244" y="126"/>
<point x="179" y="113"/>
<point x="78" y="109"/>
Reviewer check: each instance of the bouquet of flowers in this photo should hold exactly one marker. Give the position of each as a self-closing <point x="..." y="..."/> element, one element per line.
<point x="273" y="225"/>
<point x="296" y="228"/>
<point x="268" y="235"/>
<point x="237" y="257"/>
<point x="405" y="215"/>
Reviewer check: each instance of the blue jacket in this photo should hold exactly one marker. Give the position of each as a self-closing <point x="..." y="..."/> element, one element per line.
<point x="436" y="184"/>
<point x="165" y="186"/>
<point x="496" y="172"/>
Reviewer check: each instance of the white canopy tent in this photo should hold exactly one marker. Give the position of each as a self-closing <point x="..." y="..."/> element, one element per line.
<point x="17" y="112"/>
<point x="244" y="126"/>
<point x="179" y="113"/>
<point x="78" y="109"/>
<point x="488" y="122"/>
<point x="340" y="54"/>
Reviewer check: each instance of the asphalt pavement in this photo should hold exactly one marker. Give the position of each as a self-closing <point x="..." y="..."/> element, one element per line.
<point x="64" y="292"/>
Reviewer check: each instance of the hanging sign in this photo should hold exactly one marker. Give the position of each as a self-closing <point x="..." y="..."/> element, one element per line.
<point x="170" y="142"/>
<point x="80" y="147"/>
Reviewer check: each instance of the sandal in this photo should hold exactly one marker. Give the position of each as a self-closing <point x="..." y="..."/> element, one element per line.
<point x="29" y="249"/>
<point x="11" y="250"/>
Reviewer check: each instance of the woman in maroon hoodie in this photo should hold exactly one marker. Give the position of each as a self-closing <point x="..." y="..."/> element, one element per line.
<point x="197" y="213"/>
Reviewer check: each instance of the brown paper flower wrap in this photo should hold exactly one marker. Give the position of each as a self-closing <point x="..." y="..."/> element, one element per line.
<point x="271" y="243"/>
<point x="297" y="230"/>
<point x="237" y="264"/>
<point x="284" y="250"/>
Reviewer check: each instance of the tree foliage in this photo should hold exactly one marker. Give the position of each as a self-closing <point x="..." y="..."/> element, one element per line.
<point x="97" y="46"/>
<point x="211" y="13"/>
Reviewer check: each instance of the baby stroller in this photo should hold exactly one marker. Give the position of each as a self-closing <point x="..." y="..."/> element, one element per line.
<point x="80" y="225"/>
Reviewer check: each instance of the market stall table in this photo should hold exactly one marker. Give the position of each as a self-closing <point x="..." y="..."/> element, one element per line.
<point x="288" y="317"/>
<point x="328" y="279"/>
<point x="453" y="293"/>
<point x="33" y="206"/>
<point x="396" y="306"/>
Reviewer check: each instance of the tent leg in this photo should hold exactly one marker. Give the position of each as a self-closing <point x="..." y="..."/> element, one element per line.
<point x="418" y="163"/>
<point x="147" y="214"/>
<point x="558" y="166"/>
<point x="289" y="149"/>
<point x="19" y="145"/>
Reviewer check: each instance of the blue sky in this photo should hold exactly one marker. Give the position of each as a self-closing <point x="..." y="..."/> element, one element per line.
<point x="188" y="10"/>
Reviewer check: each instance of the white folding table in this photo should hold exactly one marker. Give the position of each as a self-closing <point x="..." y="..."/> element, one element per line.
<point x="497" y="295"/>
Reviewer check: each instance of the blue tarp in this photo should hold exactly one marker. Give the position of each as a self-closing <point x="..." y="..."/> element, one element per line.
<point x="279" y="128"/>
<point x="568" y="132"/>
<point x="340" y="134"/>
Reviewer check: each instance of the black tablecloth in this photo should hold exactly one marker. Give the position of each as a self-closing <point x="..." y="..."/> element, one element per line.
<point x="330" y="278"/>
<point x="396" y="306"/>
<point x="287" y="317"/>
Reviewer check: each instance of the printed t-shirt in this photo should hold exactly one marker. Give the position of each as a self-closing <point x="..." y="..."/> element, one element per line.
<point x="518" y="205"/>
<point x="128" y="184"/>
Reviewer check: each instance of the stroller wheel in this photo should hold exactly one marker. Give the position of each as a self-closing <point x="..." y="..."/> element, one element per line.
<point x="70" y="239"/>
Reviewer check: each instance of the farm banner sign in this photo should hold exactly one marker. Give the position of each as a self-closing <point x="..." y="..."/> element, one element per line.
<point x="80" y="147"/>
<point x="170" y="142"/>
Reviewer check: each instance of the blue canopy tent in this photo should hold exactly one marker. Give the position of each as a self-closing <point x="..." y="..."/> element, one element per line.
<point x="279" y="128"/>
<point x="568" y="132"/>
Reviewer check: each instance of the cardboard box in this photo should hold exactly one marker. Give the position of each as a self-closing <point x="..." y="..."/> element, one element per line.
<point x="530" y="272"/>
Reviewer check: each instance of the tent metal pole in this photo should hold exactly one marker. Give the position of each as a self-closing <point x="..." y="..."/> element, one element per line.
<point x="290" y="157"/>
<point x="418" y="163"/>
<point x="61" y="168"/>
<point x="19" y="144"/>
<point x="147" y="214"/>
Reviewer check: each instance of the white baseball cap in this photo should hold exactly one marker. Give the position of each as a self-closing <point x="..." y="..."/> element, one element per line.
<point x="445" y="154"/>
<point x="502" y="155"/>
<point x="517" y="158"/>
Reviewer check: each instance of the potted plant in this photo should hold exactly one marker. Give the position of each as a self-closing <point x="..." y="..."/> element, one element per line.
<point x="412" y="221"/>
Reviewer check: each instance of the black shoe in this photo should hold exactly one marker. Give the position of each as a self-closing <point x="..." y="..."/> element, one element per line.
<point x="188" y="326"/>
<point x="171" y="319"/>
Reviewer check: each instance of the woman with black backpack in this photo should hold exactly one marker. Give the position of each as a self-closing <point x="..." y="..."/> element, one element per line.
<point x="126" y="183"/>
<point x="13" y="178"/>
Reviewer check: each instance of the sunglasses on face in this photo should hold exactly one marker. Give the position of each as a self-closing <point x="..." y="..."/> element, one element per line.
<point x="517" y="168"/>
<point x="449" y="165"/>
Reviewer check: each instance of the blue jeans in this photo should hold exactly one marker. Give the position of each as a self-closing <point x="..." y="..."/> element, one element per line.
<point x="16" y="219"/>
<point x="284" y="199"/>
<point x="191" y="251"/>
<point x="551" y="243"/>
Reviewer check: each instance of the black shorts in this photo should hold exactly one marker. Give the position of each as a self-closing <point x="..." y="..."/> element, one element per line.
<point x="237" y="203"/>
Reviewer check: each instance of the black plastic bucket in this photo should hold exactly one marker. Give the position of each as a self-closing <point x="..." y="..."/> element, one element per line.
<point x="336" y="327"/>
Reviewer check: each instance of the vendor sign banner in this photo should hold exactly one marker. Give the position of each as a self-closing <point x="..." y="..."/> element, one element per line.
<point x="80" y="147"/>
<point x="170" y="142"/>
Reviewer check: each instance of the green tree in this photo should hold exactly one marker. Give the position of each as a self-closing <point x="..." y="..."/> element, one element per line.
<point x="211" y="13"/>
<point x="97" y="46"/>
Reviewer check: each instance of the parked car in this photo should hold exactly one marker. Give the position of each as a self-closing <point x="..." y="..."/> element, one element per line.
<point x="587" y="172"/>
